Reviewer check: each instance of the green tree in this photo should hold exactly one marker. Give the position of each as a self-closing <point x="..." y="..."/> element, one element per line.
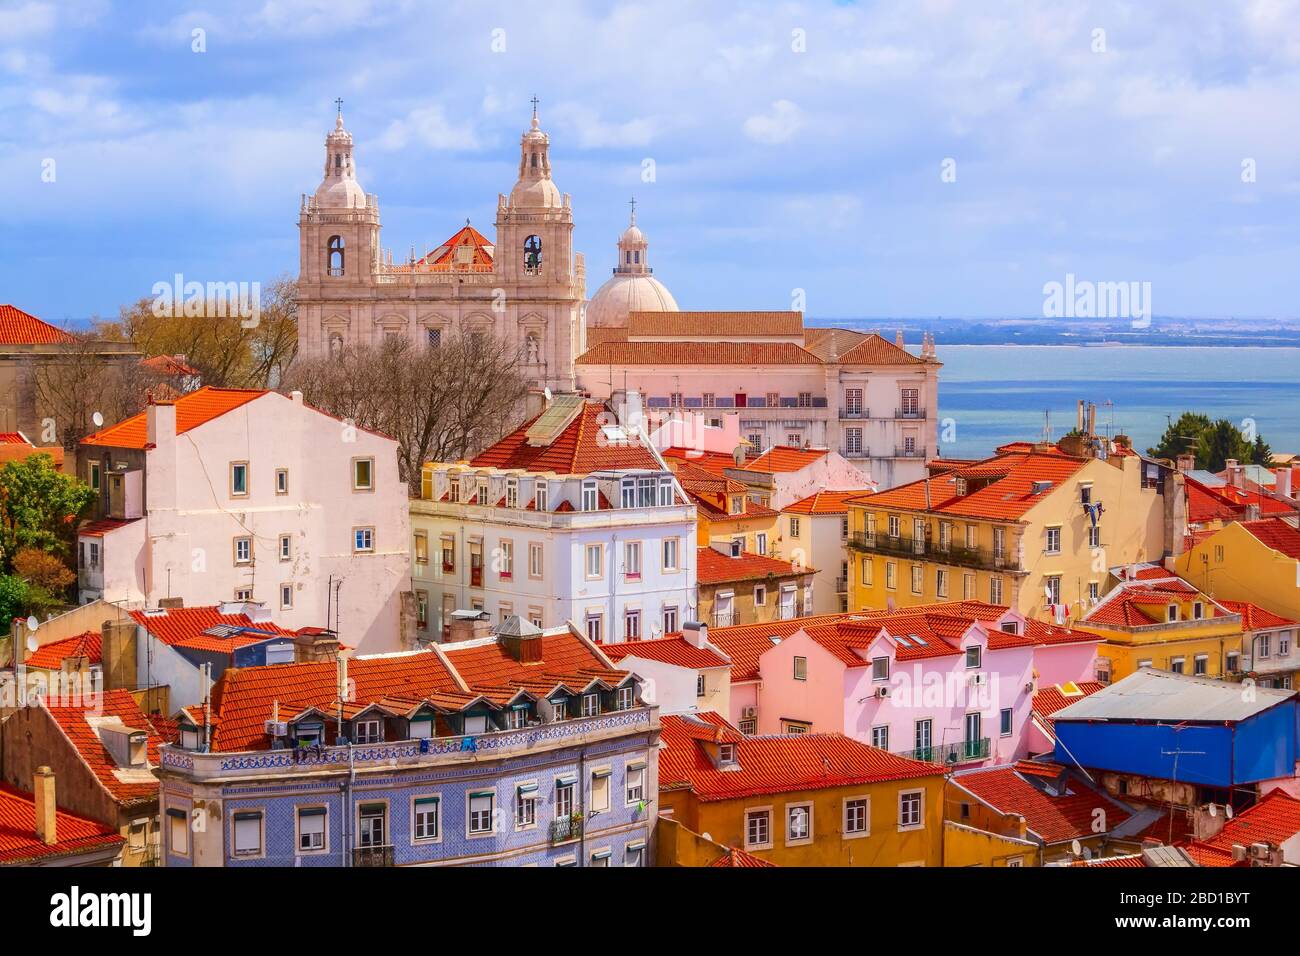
<point x="39" y="508"/>
<point x="1212" y="442"/>
<point x="13" y="599"/>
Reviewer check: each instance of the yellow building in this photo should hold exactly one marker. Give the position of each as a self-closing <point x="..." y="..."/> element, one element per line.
<point x="798" y="800"/>
<point x="736" y="587"/>
<point x="1152" y="618"/>
<point x="1255" y="561"/>
<point x="725" y="514"/>
<point x="1032" y="526"/>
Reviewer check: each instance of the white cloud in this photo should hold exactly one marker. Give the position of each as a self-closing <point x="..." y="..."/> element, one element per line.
<point x="776" y="126"/>
<point x="26" y="20"/>
<point x="429" y="127"/>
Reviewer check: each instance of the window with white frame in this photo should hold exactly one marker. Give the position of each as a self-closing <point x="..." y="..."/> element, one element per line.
<point x="311" y="828"/>
<point x="540" y="497"/>
<point x="794" y="527"/>
<point x="525" y="808"/>
<point x="590" y="705"/>
<point x="282" y="481"/>
<point x="512" y="492"/>
<point x="632" y="560"/>
<point x="535" y="559"/>
<point x="758" y="828"/>
<point x="798" y="822"/>
<point x="670" y="552"/>
<point x="670" y="619"/>
<point x="1052" y="544"/>
<point x="918" y="583"/>
<point x="1005" y="722"/>
<point x="594" y="627"/>
<point x="286" y="596"/>
<point x="506" y="560"/>
<point x="995" y="589"/>
<point x="1053" y="585"/>
<point x="800" y="668"/>
<point x="910" y="808"/>
<point x="760" y="595"/>
<point x="238" y="479"/>
<point x="243" y="550"/>
<point x="426" y="819"/>
<point x="367" y="732"/>
<point x="589" y="496"/>
<point x="248" y="833"/>
<point x="880" y="736"/>
<point x="880" y="668"/>
<point x="595" y="561"/>
<point x="363" y="540"/>
<point x="363" y="474"/>
<point x="857" y="815"/>
<point x="632" y="624"/>
<point x="635" y="784"/>
<point x="481" y="806"/>
<point x="625" y="698"/>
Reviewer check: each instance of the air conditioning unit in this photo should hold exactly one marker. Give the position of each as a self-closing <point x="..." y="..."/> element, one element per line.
<point x="749" y="713"/>
<point x="979" y="679"/>
<point x="276" y="728"/>
<point x="882" y="691"/>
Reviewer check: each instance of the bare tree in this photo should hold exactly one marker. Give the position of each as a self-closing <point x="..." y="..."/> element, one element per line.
<point x="440" y="404"/>
<point x="86" y="377"/>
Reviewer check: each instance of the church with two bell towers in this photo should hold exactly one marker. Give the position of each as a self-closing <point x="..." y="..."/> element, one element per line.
<point x="527" y="288"/>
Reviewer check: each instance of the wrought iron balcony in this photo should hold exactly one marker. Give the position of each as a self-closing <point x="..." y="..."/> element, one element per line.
<point x="566" y="828"/>
<point x="909" y="413"/>
<point x="955" y="555"/>
<point x="965" y="751"/>
<point x="841" y="584"/>
<point x="372" y="855"/>
<point x="902" y="452"/>
<point x="855" y="413"/>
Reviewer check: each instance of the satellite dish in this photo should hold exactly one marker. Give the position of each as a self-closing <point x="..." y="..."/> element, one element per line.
<point x="32" y="623"/>
<point x="706" y="836"/>
<point x="547" y="392"/>
<point x="1075" y="847"/>
<point x="1087" y="853"/>
<point x="98" y="419"/>
<point x="33" y="645"/>
<point x="1214" y="810"/>
<point x="1227" y="809"/>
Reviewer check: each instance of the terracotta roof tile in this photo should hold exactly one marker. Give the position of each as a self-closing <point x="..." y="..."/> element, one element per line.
<point x="51" y="656"/>
<point x="22" y="328"/>
<point x="184" y="627"/>
<point x="1048" y="700"/>
<point x="714" y="462"/>
<point x="786" y="458"/>
<point x="1275" y="818"/>
<point x="741" y="325"/>
<point x="1053" y="818"/>
<point x="1255" y="618"/>
<point x="1143" y="602"/>
<point x="1276" y="534"/>
<point x="566" y="658"/>
<point x="579" y="449"/>
<point x="713" y="567"/>
<point x="18" y="841"/>
<point x="825" y="503"/>
<point x="745" y="643"/>
<point x="78" y="723"/>
<point x="773" y="764"/>
<point x="739" y="858"/>
<point x="192" y="410"/>
<point x="102" y="526"/>
<point x="668" y="650"/>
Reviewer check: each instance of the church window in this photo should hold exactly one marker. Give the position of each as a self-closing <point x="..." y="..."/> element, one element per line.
<point x="338" y="160"/>
<point x="336" y="250"/>
<point x="533" y="255"/>
<point x="435" y="338"/>
<point x="636" y="257"/>
<point x="627" y="258"/>
<point x="533" y="161"/>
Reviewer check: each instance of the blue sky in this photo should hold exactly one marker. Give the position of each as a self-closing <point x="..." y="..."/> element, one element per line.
<point x="777" y="168"/>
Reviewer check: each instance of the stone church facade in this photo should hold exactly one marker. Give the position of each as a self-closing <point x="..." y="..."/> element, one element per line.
<point x="527" y="288"/>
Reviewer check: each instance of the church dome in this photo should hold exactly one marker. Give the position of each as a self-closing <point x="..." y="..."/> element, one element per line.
<point x="632" y="287"/>
<point x="339" y="188"/>
<point x="535" y="189"/>
<point x="623" y="294"/>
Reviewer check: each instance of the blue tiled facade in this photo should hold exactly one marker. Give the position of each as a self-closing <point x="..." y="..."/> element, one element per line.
<point x="618" y="836"/>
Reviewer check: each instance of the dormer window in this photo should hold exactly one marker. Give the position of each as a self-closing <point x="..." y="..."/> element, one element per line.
<point x="539" y="496"/>
<point x="1198" y="610"/>
<point x="880" y="668"/>
<point x="512" y="492"/>
<point x="367" y="731"/>
<point x="1010" y="627"/>
<point x="665" y="492"/>
<point x="627" y="493"/>
<point x="737" y="504"/>
<point x="974" y="656"/>
<point x="625" y="698"/>
<point x="589" y="496"/>
<point x="590" y="705"/>
<point x="1171" y="613"/>
<point x="960" y="487"/>
<point x="726" y="753"/>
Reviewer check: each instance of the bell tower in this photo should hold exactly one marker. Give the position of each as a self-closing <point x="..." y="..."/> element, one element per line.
<point x="338" y="224"/>
<point x="535" y="223"/>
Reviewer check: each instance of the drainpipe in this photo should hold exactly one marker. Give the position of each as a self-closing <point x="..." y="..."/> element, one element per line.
<point x="582" y="806"/>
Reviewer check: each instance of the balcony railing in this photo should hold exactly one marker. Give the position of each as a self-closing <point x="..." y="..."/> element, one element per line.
<point x="566" y="828"/>
<point x="724" y="618"/>
<point x="964" y="751"/>
<point x="855" y="413"/>
<point x="955" y="555"/>
<point x="904" y="452"/>
<point x="909" y="413"/>
<point x="372" y="855"/>
<point x="841" y="584"/>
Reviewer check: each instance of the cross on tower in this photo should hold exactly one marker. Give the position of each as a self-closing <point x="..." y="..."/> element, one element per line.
<point x="339" y="103"/>
<point x="632" y="203"/>
<point x="535" y="102"/>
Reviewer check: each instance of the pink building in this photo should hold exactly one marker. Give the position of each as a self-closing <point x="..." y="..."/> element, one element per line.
<point x="953" y="683"/>
<point x="242" y="495"/>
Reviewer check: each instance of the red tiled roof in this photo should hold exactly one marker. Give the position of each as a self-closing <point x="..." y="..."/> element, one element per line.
<point x="1225" y="502"/>
<point x="741" y="325"/>
<point x="467" y="235"/>
<point x="1140" y="603"/>
<point x="1129" y="861"/>
<point x="876" y="350"/>
<point x="51" y="656"/>
<point x="18" y="840"/>
<point x="184" y="627"/>
<point x="579" y="449"/>
<point x="739" y="858"/>
<point x="102" y="526"/>
<point x="566" y="659"/>
<point x="786" y="458"/>
<point x="86" y="740"/>
<point x="713" y="567"/>
<point x="774" y="764"/>
<point x="1256" y="618"/>
<point x="1007" y="496"/>
<point x="825" y="503"/>
<point x="1274" y="819"/>
<point x="244" y="698"/>
<point x="169" y="365"/>
<point x="1048" y="700"/>
<point x="22" y="328"/>
<point x="1054" y="819"/>
<point x="13" y="438"/>
<point x="745" y="643"/>
<point x="697" y="353"/>
<point x="192" y="410"/>
<point x="668" y="650"/>
<point x="711" y="461"/>
<point x="1276" y="534"/>
<point x="1206" y="855"/>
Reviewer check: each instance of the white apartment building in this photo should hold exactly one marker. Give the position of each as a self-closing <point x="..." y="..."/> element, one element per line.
<point x="573" y="517"/>
<point x="249" y="495"/>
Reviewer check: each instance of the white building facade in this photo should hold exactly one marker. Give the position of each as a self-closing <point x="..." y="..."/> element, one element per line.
<point x="585" y="524"/>
<point x="249" y="495"/>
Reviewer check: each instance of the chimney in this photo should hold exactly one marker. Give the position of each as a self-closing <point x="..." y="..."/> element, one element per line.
<point x="171" y="602"/>
<point x="1186" y="463"/>
<point x="161" y="423"/>
<point x="696" y="633"/>
<point x="47" y="821"/>
<point x="521" y="639"/>
<point x="341" y="673"/>
<point x="898" y="338"/>
<point x="1231" y="472"/>
<point x="1092" y="419"/>
<point x="296" y="395"/>
<point x="1079" y="423"/>
<point x="119" y="653"/>
<point x="19" y="641"/>
<point x="1283" y="484"/>
<point x="632" y="411"/>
